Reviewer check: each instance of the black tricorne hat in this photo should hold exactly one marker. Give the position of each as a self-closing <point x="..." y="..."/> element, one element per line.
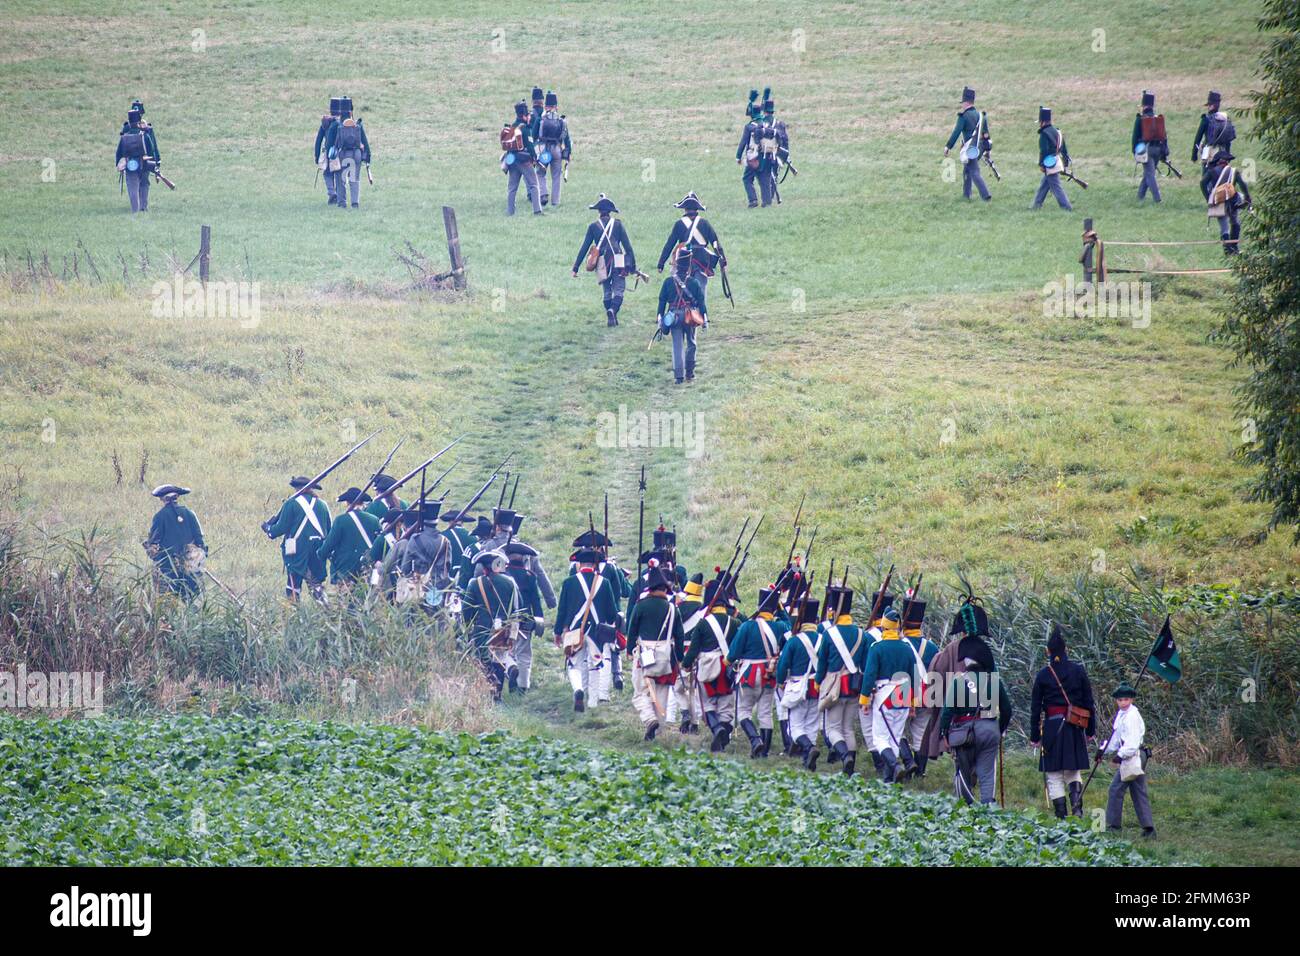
<point x="603" y="204"/>
<point x="453" y="514"/>
<point x="1044" y="114"/>
<point x="483" y="529"/>
<point x="659" y="579"/>
<point x="162" y="491"/>
<point x="712" y="588"/>
<point x="352" y="494"/>
<point x="584" y="554"/>
<point x="690" y="202"/>
<point x="517" y="549"/>
<point x="1222" y="156"/>
<point x="656" y="554"/>
<point x="300" y="482"/>
<point x="551" y="98"/>
<point x="592" y="539"/>
<point x="1148" y="99"/>
<point x="384" y="482"/>
<point x="489" y="556"/>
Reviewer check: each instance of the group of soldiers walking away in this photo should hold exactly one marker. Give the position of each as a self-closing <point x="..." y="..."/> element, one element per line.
<point x="764" y="150"/>
<point x="1225" y="191"/>
<point x="536" y="146"/>
<point x="814" y="671"/>
<point x="340" y="150"/>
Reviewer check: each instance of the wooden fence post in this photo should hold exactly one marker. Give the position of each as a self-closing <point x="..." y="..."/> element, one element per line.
<point x="205" y="253"/>
<point x="453" y="248"/>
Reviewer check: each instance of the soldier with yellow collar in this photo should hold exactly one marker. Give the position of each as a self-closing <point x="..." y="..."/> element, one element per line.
<point x="686" y="697"/>
<point x="886" y="695"/>
<point x="757" y="646"/>
<point x="842" y="652"/>
<point x="924" y="651"/>
<point x="711" y="639"/>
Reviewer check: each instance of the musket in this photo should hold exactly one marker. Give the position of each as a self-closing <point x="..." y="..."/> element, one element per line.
<point x="988" y="158"/>
<point x="640" y="528"/>
<point x="721" y="580"/>
<point x="159" y="177"/>
<point x="1173" y="169"/>
<point x="501" y="499"/>
<point x="460" y="515"/>
<point x="513" y="490"/>
<point x="326" y="473"/>
<point x="911" y="599"/>
<point x="418" y="469"/>
<point x="1073" y="178"/>
<point x="745" y="557"/>
<point x="371" y="483"/>
<point x="880" y="596"/>
<point x="564" y="173"/>
<point x="315" y="179"/>
<point x="605" y="547"/>
<point x="369" y="176"/>
<point x="223" y="587"/>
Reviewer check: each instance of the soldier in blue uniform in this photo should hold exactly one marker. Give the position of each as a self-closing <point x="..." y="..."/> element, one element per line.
<point x="616" y="259"/>
<point x="886" y="695"/>
<point x="972" y="128"/>
<point x="842" y="653"/>
<point x="754" y="653"/>
<point x="174" y="531"/>
<point x="710" y="653"/>
<point x="136" y="158"/>
<point x="1148" y="151"/>
<point x="1053" y="158"/>
<point x="554" y="147"/>
<point x="924" y="650"/>
<point x="586" y="603"/>
<point x="749" y="152"/>
<point x="1060" y="685"/>
<point x="1220" y="180"/>
<point x="531" y="619"/>
<point x="795" y="673"/>
<point x="1214" y="133"/>
<point x="694" y="230"/>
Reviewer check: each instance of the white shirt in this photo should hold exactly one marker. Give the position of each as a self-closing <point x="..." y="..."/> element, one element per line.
<point x="1129" y="729"/>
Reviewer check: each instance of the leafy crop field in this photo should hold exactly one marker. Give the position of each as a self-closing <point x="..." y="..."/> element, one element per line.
<point x="193" y="791"/>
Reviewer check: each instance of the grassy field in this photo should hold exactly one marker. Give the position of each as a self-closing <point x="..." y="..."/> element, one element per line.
<point x="889" y="352"/>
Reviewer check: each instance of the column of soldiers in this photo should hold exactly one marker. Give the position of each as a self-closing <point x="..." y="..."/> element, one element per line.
<point x="340" y="149"/>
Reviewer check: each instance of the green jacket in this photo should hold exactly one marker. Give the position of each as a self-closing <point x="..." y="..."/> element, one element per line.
<point x="345" y="547"/>
<point x="380" y="510"/>
<point x="292" y="524"/>
<point x="703" y="639"/>
<point x="647" y="624"/>
<point x="572" y="599"/>
<point x="968" y="122"/>
<point x="481" y="616"/>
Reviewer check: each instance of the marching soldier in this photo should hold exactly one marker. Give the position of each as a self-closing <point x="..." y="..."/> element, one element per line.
<point x="349" y="145"/>
<point x="386" y="500"/>
<point x="493" y="535"/>
<point x="709" y="654"/>
<point x="426" y="558"/>
<point x="686" y="696"/>
<point x="749" y="152"/>
<point x="1227" y="193"/>
<point x="613" y="255"/>
<point x="1129" y="755"/>
<point x="351" y="538"/>
<point x="774" y="148"/>
<point x="693" y="230"/>
<point x="972" y="128"/>
<point x="1053" y="157"/>
<point x="1149" y="145"/>
<point x="663" y="554"/>
<point x="518" y="160"/>
<point x="924" y="651"/>
<point x="321" y="156"/>
<point x="586" y="603"/>
<point x="137" y="157"/>
<point x="461" y="541"/>
<point x="886" y="695"/>
<point x="303" y="522"/>
<point x="1214" y="134"/>
<point x="551" y="133"/>
<point x="655" y="645"/>
<point x="1061" y="691"/>
<point x="531" y="620"/>
<point x="620" y="588"/>
<point x="755" y="652"/>
<point x="973" y="728"/>
<point x="383" y="572"/>
<point x="795" y="672"/>
<point x="174" y="534"/>
<point x="841" y="654"/>
<point x="682" y="310"/>
<point x="490" y="608"/>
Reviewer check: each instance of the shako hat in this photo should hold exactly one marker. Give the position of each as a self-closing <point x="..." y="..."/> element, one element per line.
<point x="1214" y="99"/>
<point x="1148" y="99"/>
<point x="838" y="599"/>
<point x="664" y="538"/>
<point x="521" y="108"/>
<point x="810" y="609"/>
<point x="551" y="98"/>
<point x="503" y="517"/>
<point x="537" y="93"/>
<point x="971" y="619"/>
<point x="915" y="614"/>
<point x="967" y="95"/>
<point x="1044" y="114"/>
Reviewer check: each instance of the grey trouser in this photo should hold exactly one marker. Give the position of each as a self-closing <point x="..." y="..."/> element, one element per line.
<point x="758" y="699"/>
<point x="330" y="181"/>
<point x="527" y="171"/>
<point x="523" y="651"/>
<point x="686" y="697"/>
<point x="840" y="720"/>
<point x="1051" y="184"/>
<point x="978" y="761"/>
<point x="556" y="171"/>
<point x="1149" y="180"/>
<point x="804" y="720"/>
<point x="1115" y="801"/>
<point x="642" y="690"/>
<point x="612" y="290"/>
<point x="349" y="175"/>
<point x="683" y="348"/>
<point x="1227" y="224"/>
<point x="970" y="175"/>
<point x="764" y="178"/>
<point x="724" y="705"/>
<point x="137" y="189"/>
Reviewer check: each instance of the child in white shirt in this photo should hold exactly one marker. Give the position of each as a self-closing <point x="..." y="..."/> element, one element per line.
<point x="1125" y="746"/>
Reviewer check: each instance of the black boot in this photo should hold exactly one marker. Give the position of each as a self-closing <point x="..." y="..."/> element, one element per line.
<point x="686" y="726"/>
<point x="767" y="741"/>
<point x="833" y="754"/>
<point x="755" y="741"/>
<point x="810" y="753"/>
<point x="724" y="737"/>
<point x="1058" y="805"/>
<point x="578" y="701"/>
<point x="890" y="761"/>
<point x="877" y="763"/>
<point x="716" y="729"/>
<point x="908" y="758"/>
<point x="850" y="761"/>
<point x="839" y="751"/>
<point x="612" y="319"/>
<point x="512" y="676"/>
<point x="787" y="742"/>
<point x="921" y="761"/>
<point x="651" y="730"/>
<point x="1076" y="799"/>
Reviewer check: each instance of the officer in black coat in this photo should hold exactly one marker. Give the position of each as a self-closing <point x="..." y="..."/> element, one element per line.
<point x="175" y="542"/>
<point x="1060" y="685"/>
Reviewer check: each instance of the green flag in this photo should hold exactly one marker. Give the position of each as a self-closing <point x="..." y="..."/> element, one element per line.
<point x="1164" y="659"/>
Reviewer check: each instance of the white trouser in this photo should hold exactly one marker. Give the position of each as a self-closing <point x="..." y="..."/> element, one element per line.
<point x="600" y="676"/>
<point x="756" y="699"/>
<point x="916" y="727"/>
<point x="805" y="720"/>
<point x="839" y="722"/>
<point x="580" y="679"/>
<point x="782" y="712"/>
<point x="884" y="727"/>
<point x="642" y="700"/>
<point x="685" y="699"/>
<point x="1058" y="780"/>
<point x="524" y="659"/>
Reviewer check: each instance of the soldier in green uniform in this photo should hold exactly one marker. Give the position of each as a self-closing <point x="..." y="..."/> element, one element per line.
<point x="610" y="672"/>
<point x="351" y="538"/>
<point x="1053" y="159"/>
<point x="685" y="702"/>
<point x="519" y="160"/>
<point x="711" y="636"/>
<point x="461" y="541"/>
<point x="385" y="501"/>
<point x="842" y="652"/>
<point x="303" y="522"/>
<point x="655" y="646"/>
<point x="586" y="603"/>
<point x="491" y="608"/>
<point x="531" y="619"/>
<point x="173" y="533"/>
<point x="972" y="128"/>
